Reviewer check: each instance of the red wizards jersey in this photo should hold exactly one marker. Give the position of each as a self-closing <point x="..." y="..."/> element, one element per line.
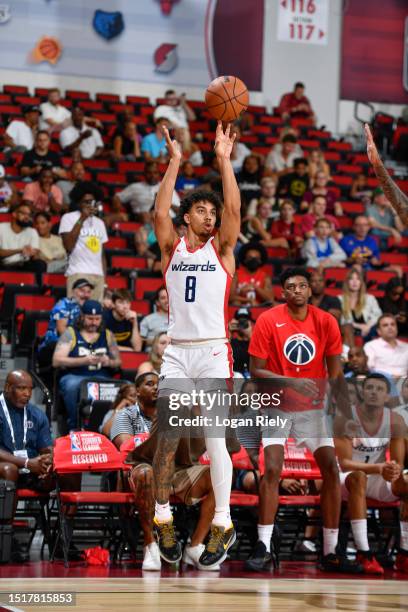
<point x="245" y="277"/>
<point x="296" y="348"/>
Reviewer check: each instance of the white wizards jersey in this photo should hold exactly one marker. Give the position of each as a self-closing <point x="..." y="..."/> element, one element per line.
<point x="368" y="449"/>
<point x="198" y="287"/>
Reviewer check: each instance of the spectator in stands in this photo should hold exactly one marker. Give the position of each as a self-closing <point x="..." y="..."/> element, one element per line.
<point x="64" y="314"/>
<point x="51" y="246"/>
<point x="394" y="302"/>
<point x="19" y="135"/>
<point x="154" y="146"/>
<point x="26" y="444"/>
<point x="178" y="113"/>
<point x="268" y="194"/>
<point x="252" y="284"/>
<point x="280" y="160"/>
<point x="8" y="193"/>
<point x="296" y="105"/>
<point x="321" y="250"/>
<point x="84" y="235"/>
<point x="387" y="354"/>
<point x="383" y="219"/>
<point x="126" y="145"/>
<point x="153" y="363"/>
<point x="361" y="249"/>
<point x="249" y="179"/>
<point x="285" y="228"/>
<point x="360" y="190"/>
<point x="42" y="195"/>
<point x="320" y="299"/>
<point x="333" y="207"/>
<point x="126" y="397"/>
<point x="246" y="122"/>
<point x="186" y="181"/>
<point x="19" y="243"/>
<point x="121" y="320"/>
<point x="86" y="350"/>
<point x="239" y="150"/>
<point x="318" y="211"/>
<point x="359" y="308"/>
<point x="317" y="163"/>
<point x="54" y="116"/>
<point x="75" y="176"/>
<point x="241" y="331"/>
<point x="140" y="196"/>
<point x="81" y="136"/>
<point x="158" y="321"/>
<point x="41" y="157"/>
<point x="256" y="227"/>
<point x="357" y="363"/>
<point x="294" y="185"/>
<point x="107" y="299"/>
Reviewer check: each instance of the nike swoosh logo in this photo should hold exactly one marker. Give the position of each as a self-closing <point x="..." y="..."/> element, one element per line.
<point x="215" y="354"/>
<point x="280" y="324"/>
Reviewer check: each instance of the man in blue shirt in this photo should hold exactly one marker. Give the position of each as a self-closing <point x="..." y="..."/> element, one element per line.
<point x="154" y="144"/>
<point x="63" y="315"/>
<point x="360" y="248"/>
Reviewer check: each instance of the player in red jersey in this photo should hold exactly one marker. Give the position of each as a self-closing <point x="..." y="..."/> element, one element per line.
<point x="299" y="346"/>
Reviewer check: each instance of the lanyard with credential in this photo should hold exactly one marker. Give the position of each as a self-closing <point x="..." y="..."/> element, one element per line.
<point x="9" y="423"/>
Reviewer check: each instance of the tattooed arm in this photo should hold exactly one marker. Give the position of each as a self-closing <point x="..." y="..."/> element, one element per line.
<point x="394" y="194"/>
<point x="61" y="358"/>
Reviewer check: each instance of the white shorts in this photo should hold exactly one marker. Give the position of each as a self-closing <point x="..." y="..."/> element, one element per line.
<point x="308" y="428"/>
<point x="182" y="365"/>
<point x="377" y="488"/>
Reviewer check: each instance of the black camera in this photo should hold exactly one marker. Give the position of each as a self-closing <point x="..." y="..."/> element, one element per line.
<point x="243" y="323"/>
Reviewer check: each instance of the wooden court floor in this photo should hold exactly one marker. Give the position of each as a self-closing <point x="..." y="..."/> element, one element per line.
<point x="213" y="594"/>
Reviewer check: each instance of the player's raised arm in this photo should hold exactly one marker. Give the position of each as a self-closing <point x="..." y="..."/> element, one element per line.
<point x="163" y="225"/>
<point x="231" y="216"/>
<point x="399" y="200"/>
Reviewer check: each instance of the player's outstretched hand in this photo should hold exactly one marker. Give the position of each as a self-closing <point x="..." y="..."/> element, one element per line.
<point x="173" y="146"/>
<point x="372" y="151"/>
<point x="223" y="141"/>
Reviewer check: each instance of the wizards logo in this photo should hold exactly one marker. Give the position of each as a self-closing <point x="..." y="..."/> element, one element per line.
<point x="299" y="349"/>
<point x="108" y="25"/>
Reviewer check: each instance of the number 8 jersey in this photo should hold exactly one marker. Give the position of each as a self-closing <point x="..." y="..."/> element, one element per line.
<point x="198" y="287"/>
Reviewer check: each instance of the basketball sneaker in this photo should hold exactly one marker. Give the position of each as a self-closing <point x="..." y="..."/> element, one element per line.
<point x="401" y="561"/>
<point x="218" y="545"/>
<point x="339" y="564"/>
<point x="169" y="547"/>
<point x="151" y="558"/>
<point x="260" y="558"/>
<point x="369" y="563"/>
<point x="192" y="554"/>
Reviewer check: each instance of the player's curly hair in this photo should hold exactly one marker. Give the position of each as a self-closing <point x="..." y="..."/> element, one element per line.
<point x="294" y="271"/>
<point x="200" y="195"/>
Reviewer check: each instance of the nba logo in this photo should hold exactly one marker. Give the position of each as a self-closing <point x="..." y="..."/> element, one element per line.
<point x="299" y="349"/>
<point x="93" y="391"/>
<point x="75" y="442"/>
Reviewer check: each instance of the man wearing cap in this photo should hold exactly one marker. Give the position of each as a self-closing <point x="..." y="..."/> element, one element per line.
<point x="63" y="315"/>
<point x="19" y="135"/>
<point x="384" y="221"/>
<point x="41" y="157"/>
<point x="86" y="350"/>
<point x="84" y="235"/>
<point x="241" y="328"/>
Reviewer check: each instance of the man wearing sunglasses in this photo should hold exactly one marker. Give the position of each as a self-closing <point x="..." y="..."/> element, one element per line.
<point x="84" y="235"/>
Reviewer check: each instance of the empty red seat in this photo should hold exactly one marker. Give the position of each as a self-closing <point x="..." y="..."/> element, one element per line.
<point x="309" y="144"/>
<point x="15" y="89"/>
<point x="116" y="242"/>
<point x="88" y="105"/>
<point x="127" y="227"/>
<point x="130" y="166"/>
<point x="77" y="95"/>
<point x="54" y="280"/>
<point x="337" y="274"/>
<point x="33" y="302"/>
<point x="142" y="307"/>
<point x="333" y="145"/>
<point x="17" y="278"/>
<point x="398" y="259"/>
<point x="379" y="277"/>
<point x="128" y="263"/>
<point x="107" y="97"/>
<point x="10" y="109"/>
<point x="137" y="100"/>
<point x="147" y="285"/>
<point x="111" y="178"/>
<point x="353" y="208"/>
<point x="117" y="282"/>
<point x="132" y="360"/>
<point x="41" y="328"/>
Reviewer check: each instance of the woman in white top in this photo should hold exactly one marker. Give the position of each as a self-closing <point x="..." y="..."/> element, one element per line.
<point x="51" y="248"/>
<point x="359" y="308"/>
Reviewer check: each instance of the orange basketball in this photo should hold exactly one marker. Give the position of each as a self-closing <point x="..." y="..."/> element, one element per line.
<point x="226" y="98"/>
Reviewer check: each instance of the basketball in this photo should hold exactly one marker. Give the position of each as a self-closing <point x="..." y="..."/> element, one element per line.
<point x="226" y="98"/>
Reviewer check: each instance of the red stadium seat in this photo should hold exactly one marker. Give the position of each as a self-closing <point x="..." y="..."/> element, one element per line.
<point x="130" y="166"/>
<point x="353" y="208"/>
<point x="309" y="144"/>
<point x="337" y="274"/>
<point x="17" y="278"/>
<point x="117" y="282"/>
<point x="128" y="263"/>
<point x="27" y="100"/>
<point x="41" y="328"/>
<point x="89" y="106"/>
<point x="147" y="285"/>
<point x="333" y="145"/>
<point x="116" y="242"/>
<point x="111" y="178"/>
<point x="10" y="109"/>
<point x="103" y="97"/>
<point x="349" y="169"/>
<point x="398" y="259"/>
<point x="132" y="360"/>
<point x="127" y="227"/>
<point x="77" y="95"/>
<point x="137" y="100"/>
<point x="15" y="89"/>
<point x="142" y="307"/>
<point x="379" y="277"/>
<point x="54" y="280"/>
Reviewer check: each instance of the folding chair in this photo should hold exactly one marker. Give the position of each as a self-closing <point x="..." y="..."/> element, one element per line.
<point x="77" y="453"/>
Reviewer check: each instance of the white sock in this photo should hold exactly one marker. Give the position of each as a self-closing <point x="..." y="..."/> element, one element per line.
<point x="359" y="529"/>
<point x="404" y="535"/>
<point x="162" y="512"/>
<point x="330" y="538"/>
<point x="221" y="479"/>
<point x="265" y="534"/>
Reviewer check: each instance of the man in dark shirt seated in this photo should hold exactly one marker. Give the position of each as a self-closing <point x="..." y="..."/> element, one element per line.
<point x="41" y="157"/>
<point x="25" y="443"/>
<point x="329" y="303"/>
<point x="121" y="320"/>
<point x="295" y="184"/>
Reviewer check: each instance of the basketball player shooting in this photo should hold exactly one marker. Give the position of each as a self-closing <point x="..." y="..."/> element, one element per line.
<point x="198" y="270"/>
<point x="398" y="200"/>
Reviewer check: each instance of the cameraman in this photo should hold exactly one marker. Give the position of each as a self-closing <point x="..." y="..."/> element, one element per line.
<point x="84" y="235"/>
<point x="241" y="331"/>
